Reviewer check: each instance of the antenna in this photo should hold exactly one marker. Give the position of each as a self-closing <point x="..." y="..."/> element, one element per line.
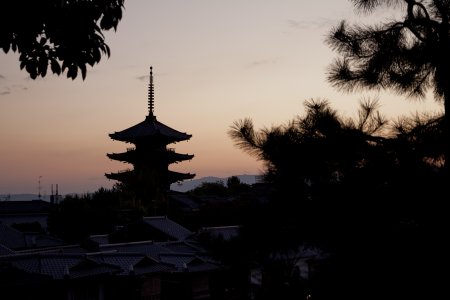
<point x="52" y="197"/>
<point x="39" y="187"/>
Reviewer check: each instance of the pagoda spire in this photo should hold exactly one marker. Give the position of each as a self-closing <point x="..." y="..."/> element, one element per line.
<point x="151" y="94"/>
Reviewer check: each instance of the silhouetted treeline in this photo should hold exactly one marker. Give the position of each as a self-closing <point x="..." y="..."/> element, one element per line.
<point x="79" y="216"/>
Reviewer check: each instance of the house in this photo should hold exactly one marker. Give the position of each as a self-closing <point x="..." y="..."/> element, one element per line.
<point x="175" y="268"/>
<point x="54" y="276"/>
<point x="17" y="240"/>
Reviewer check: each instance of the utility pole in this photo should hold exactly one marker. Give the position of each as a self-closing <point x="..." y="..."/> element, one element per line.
<point x="39" y="187"/>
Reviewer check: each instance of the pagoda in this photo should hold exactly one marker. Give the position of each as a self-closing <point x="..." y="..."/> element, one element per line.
<point x="150" y="177"/>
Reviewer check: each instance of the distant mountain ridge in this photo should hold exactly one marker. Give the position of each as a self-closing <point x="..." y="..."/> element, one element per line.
<point x="184" y="186"/>
<point x="188" y="185"/>
<point x="23" y="197"/>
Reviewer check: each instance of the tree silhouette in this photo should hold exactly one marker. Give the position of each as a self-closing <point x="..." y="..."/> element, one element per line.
<point x="361" y="189"/>
<point x="67" y="35"/>
<point x="318" y="165"/>
<point x="319" y="147"/>
<point x="410" y="55"/>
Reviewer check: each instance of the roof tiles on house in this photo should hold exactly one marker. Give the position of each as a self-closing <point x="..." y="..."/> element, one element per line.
<point x="135" y="263"/>
<point x="144" y="247"/>
<point x="60" y="266"/>
<point x="5" y="250"/>
<point x="185" y="262"/>
<point x="168" y="227"/>
<point x="11" y="237"/>
<point x="181" y="247"/>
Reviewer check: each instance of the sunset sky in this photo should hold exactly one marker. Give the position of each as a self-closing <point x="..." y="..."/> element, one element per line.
<point x="214" y="62"/>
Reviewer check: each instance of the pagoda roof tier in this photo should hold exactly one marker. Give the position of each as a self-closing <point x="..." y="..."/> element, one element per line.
<point x="122" y="176"/>
<point x="126" y="176"/>
<point x="173" y="156"/>
<point x="176" y="176"/>
<point x="150" y="128"/>
<point x="131" y="156"/>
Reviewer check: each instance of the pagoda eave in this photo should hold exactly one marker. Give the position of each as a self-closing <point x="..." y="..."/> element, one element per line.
<point x="132" y="157"/>
<point x="122" y="176"/>
<point x="177" y="157"/>
<point x="136" y="140"/>
<point x="124" y="157"/>
<point x="150" y="128"/>
<point x="177" y="176"/>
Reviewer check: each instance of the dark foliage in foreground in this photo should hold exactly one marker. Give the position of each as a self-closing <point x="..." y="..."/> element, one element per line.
<point x="65" y="35"/>
<point x="364" y="191"/>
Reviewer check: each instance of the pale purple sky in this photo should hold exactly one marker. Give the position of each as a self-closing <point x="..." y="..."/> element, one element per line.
<point x="214" y="62"/>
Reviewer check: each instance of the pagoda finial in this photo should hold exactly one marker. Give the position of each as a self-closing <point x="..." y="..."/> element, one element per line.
<point x="151" y="94"/>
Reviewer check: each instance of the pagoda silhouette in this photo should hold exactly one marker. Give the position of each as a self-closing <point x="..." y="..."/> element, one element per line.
<point x="150" y="178"/>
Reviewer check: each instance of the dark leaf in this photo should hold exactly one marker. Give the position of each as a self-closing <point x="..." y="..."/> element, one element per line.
<point x="6" y="47"/>
<point x="72" y="71"/>
<point x="83" y="70"/>
<point x="56" y="68"/>
<point x="96" y="55"/>
<point x="42" y="66"/>
<point x="70" y="31"/>
<point x="29" y="66"/>
<point x="64" y="65"/>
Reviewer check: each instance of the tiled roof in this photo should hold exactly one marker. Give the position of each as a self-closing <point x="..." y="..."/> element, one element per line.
<point x="11" y="237"/>
<point x="185" y="200"/>
<point x="168" y="227"/>
<point x="5" y="250"/>
<point x="60" y="266"/>
<point x="42" y="241"/>
<point x="181" y="247"/>
<point x="148" y="128"/>
<point x="17" y="240"/>
<point x="100" y="239"/>
<point x="61" y="249"/>
<point x="145" y="247"/>
<point x="177" y="254"/>
<point x="123" y="260"/>
<point x="179" y="260"/>
<point x="187" y="262"/>
<point x="132" y="262"/>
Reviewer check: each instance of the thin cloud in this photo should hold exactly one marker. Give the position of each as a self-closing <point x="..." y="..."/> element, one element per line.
<point x="6" y="90"/>
<point x="142" y="78"/>
<point x="19" y="87"/>
<point x="2" y="77"/>
<point x="316" y="24"/>
<point x="147" y="77"/>
<point x="261" y="62"/>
